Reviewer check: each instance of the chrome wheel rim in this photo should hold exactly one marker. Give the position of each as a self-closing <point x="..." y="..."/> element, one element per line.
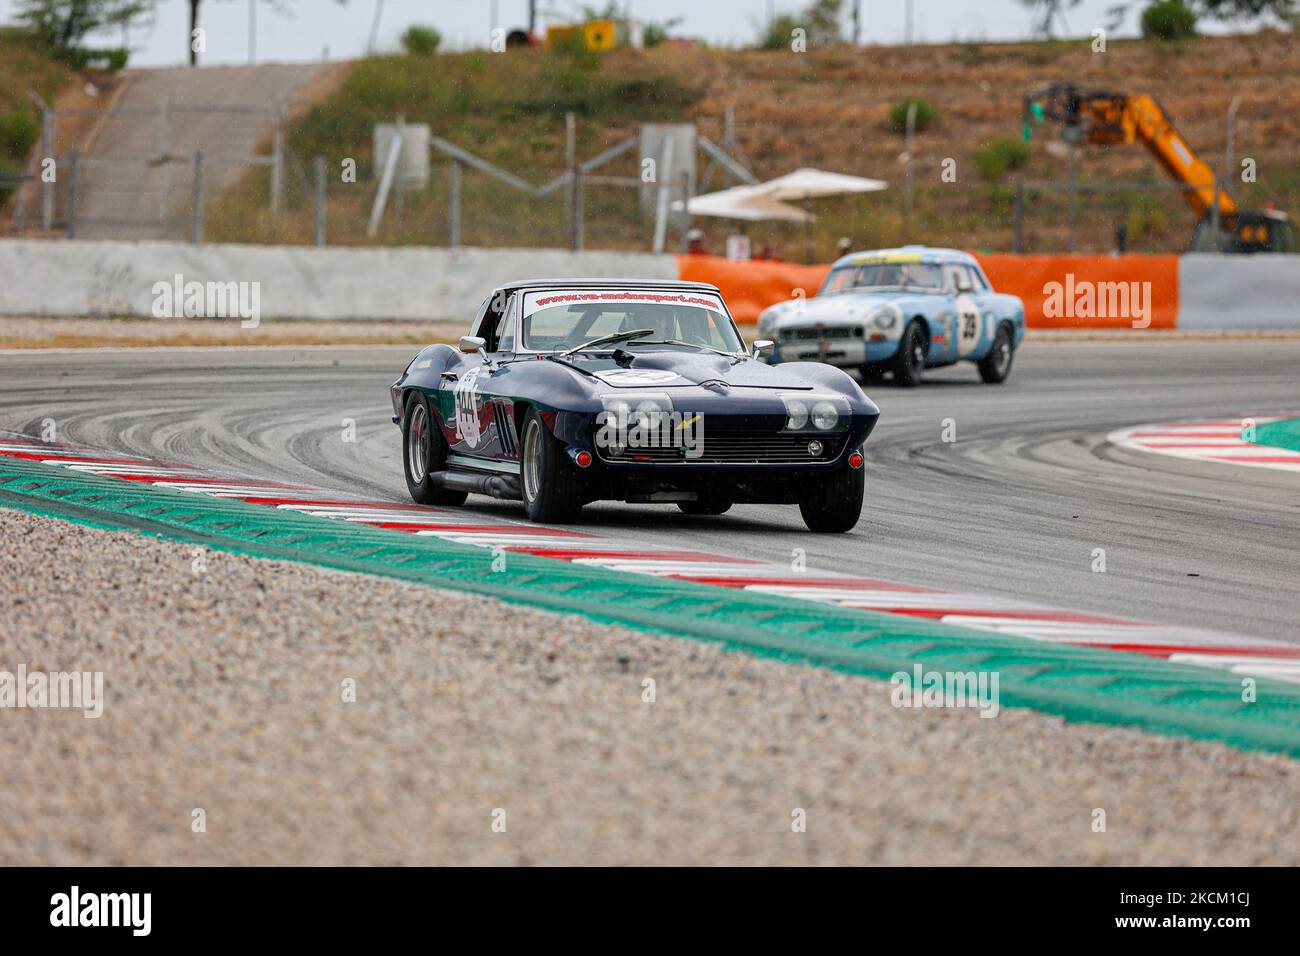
<point x="417" y="444"/>
<point x="918" y="354"/>
<point x="1004" y="352"/>
<point x="532" y="459"/>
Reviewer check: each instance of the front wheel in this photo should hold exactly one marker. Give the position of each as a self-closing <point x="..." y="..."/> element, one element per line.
<point x="424" y="453"/>
<point x="996" y="366"/>
<point x="909" y="363"/>
<point x="833" y="504"/>
<point x="552" y="486"/>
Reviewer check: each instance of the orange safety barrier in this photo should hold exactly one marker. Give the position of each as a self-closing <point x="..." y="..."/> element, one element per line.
<point x="1089" y="292"/>
<point x="749" y="287"/>
<point x="1059" y="292"/>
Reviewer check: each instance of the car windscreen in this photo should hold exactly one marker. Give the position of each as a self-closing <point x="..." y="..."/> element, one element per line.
<point x="884" y="275"/>
<point x="555" y="321"/>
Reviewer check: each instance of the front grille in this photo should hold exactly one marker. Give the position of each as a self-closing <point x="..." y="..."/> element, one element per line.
<point x="834" y="332"/>
<point x="736" y="448"/>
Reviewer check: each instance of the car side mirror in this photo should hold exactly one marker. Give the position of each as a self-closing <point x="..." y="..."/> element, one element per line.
<point x="762" y="347"/>
<point x="473" y="343"/>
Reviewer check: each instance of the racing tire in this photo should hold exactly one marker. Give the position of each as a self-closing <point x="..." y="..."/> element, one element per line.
<point x="833" y="504"/>
<point x="909" y="363"/>
<point x="872" y="373"/>
<point x="550" y="483"/>
<point x="705" y="506"/>
<point x="996" y="366"/>
<point x="424" y="452"/>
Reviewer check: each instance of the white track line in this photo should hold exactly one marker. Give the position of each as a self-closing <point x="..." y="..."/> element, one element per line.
<point x="1238" y="654"/>
<point x="1218" y="441"/>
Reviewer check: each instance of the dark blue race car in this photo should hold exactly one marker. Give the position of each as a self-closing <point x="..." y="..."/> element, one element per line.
<point x="578" y="390"/>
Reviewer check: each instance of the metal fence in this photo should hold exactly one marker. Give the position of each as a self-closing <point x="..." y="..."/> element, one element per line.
<point x="163" y="188"/>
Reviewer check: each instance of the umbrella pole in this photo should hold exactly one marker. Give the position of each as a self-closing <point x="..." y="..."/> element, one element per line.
<point x="807" y="232"/>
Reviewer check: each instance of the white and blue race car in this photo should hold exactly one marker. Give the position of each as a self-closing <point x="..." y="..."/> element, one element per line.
<point x="901" y="311"/>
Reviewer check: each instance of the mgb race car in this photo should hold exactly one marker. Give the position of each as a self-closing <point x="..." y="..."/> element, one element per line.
<point x="901" y="311"/>
<point x="566" y="392"/>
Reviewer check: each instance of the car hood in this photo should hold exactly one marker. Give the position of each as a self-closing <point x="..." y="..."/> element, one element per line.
<point x="842" y="308"/>
<point x="673" y="369"/>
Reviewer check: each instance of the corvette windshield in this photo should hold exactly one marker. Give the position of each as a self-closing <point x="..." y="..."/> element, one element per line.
<point x="560" y="327"/>
<point x="884" y="275"/>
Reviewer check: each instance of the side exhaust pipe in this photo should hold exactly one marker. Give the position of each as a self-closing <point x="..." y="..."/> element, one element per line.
<point x="496" y="486"/>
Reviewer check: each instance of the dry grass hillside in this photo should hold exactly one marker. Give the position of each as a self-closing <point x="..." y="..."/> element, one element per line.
<point x="827" y="108"/>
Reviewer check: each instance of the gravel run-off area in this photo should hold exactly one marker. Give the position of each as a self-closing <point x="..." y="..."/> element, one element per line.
<point x="225" y="680"/>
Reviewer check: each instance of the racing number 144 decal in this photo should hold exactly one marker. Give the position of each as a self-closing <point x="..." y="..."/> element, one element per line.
<point x="468" y="400"/>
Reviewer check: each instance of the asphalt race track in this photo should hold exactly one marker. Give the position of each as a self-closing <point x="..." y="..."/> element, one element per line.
<point x="1015" y="506"/>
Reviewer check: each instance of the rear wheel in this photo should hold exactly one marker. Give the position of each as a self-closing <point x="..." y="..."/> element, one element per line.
<point x="909" y="363"/>
<point x="833" y="503"/>
<point x="551" y="484"/>
<point x="996" y="366"/>
<point x="424" y="453"/>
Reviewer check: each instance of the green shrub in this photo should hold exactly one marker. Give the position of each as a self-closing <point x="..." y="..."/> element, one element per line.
<point x="421" y="41"/>
<point x="1000" y="157"/>
<point x="1168" y="20"/>
<point x="7" y="168"/>
<point x="117" y="59"/>
<point x="18" y="134"/>
<point x="83" y="58"/>
<point x="779" y="33"/>
<point x="925" y="114"/>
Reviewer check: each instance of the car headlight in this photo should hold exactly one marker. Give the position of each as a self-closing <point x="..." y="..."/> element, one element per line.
<point x="796" y="415"/>
<point x="617" y="412"/>
<point x="825" y="416"/>
<point x="884" y="319"/>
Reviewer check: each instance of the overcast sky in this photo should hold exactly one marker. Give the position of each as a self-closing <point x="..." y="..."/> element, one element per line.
<point x="317" y="26"/>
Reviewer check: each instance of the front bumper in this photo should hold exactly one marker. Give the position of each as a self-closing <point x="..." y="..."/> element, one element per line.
<point x="846" y="353"/>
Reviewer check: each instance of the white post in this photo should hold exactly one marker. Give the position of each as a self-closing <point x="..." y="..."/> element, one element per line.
<point x="277" y="167"/>
<point x="665" y="180"/>
<point x="385" y="183"/>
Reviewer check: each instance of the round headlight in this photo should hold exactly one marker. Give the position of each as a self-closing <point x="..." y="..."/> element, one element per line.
<point x="647" y="415"/>
<point x="797" y="415"/>
<point x="885" y="319"/>
<point x="824" y="415"/>
<point x="618" y="412"/>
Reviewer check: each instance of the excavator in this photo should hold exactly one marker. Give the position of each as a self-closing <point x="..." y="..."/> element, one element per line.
<point x="1094" y="116"/>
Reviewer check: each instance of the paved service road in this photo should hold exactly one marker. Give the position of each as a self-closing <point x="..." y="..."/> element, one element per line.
<point x="1015" y="506"/>
<point x="153" y="201"/>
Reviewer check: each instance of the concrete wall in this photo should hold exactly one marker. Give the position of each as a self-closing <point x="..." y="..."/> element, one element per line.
<point x="94" y="278"/>
<point x="1238" y="292"/>
<point x="101" y="278"/>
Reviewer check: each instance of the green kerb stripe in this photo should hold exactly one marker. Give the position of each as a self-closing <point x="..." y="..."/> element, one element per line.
<point x="1284" y="433"/>
<point x="1077" y="683"/>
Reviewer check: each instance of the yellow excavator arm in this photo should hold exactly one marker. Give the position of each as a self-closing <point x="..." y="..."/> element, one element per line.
<point x="1096" y="117"/>
<point x="1093" y="116"/>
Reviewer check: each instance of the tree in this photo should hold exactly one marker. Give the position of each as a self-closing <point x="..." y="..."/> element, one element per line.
<point x="284" y="7"/>
<point x="820" y="21"/>
<point x="62" y="25"/>
<point x="1247" y="9"/>
<point x="1168" y="20"/>
<point x="1046" y="13"/>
